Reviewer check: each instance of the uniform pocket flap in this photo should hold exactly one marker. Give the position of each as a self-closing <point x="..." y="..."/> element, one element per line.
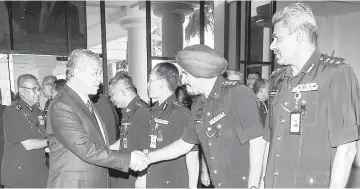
<point x="77" y="175"/>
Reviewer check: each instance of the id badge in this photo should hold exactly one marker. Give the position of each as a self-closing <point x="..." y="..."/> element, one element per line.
<point x="125" y="143"/>
<point x="295" y="122"/>
<point x="153" y="141"/>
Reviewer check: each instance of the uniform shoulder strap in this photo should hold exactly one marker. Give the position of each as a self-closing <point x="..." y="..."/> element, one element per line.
<point x="331" y="61"/>
<point x="230" y="83"/>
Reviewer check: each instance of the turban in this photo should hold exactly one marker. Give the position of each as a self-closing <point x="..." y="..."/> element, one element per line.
<point x="201" y="61"/>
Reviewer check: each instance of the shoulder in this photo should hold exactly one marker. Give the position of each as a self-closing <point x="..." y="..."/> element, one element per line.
<point x="278" y="71"/>
<point x="331" y="61"/>
<point x="142" y="104"/>
<point x="12" y="110"/>
<point x="179" y="110"/>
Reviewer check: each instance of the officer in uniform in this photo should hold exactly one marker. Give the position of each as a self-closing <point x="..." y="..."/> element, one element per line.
<point x="314" y="108"/>
<point x="168" y="118"/>
<point x="135" y="113"/>
<point x="227" y="127"/>
<point x="23" y="164"/>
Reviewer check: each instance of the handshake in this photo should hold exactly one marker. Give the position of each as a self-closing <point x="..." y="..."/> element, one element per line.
<point x="139" y="160"/>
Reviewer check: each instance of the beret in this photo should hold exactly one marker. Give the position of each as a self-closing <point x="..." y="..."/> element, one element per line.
<point x="201" y="61"/>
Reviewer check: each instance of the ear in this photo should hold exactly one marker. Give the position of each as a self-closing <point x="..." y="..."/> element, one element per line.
<point x="299" y="36"/>
<point x="21" y="91"/>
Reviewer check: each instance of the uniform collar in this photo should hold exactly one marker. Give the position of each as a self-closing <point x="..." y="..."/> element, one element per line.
<point x="217" y="88"/>
<point x="308" y="68"/>
<point x="131" y="105"/>
<point x="166" y="103"/>
<point x="25" y="105"/>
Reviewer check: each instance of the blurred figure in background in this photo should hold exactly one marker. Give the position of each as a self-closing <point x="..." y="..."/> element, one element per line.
<point x="234" y="75"/>
<point x="252" y="77"/>
<point x="46" y="86"/>
<point x="58" y="85"/>
<point x="261" y="90"/>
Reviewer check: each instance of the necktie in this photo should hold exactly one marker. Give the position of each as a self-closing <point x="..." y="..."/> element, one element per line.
<point x="89" y="104"/>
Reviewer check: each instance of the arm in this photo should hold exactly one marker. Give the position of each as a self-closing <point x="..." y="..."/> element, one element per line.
<point x="68" y="129"/>
<point x="266" y="154"/>
<point x="192" y="164"/>
<point x="172" y="151"/>
<point x="343" y="160"/>
<point x="256" y="155"/>
<point x="33" y="144"/>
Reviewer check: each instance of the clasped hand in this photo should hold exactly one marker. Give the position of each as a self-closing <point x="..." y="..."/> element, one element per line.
<point x="139" y="161"/>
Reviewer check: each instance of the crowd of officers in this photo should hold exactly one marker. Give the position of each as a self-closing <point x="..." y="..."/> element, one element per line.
<point x="297" y="130"/>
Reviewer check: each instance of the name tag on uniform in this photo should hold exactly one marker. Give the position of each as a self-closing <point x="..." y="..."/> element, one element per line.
<point x="161" y="121"/>
<point x="198" y="121"/>
<point x="305" y="87"/>
<point x="295" y="122"/>
<point x="273" y="92"/>
<point x="217" y="118"/>
<point x="41" y="120"/>
<point x="125" y="124"/>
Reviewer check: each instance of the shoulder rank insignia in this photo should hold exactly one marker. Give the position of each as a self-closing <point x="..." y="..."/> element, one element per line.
<point x="331" y="60"/>
<point x="139" y="104"/>
<point x="177" y="103"/>
<point x="161" y="121"/>
<point x="229" y="83"/>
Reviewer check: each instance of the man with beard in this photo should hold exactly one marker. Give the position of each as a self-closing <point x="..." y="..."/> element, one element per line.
<point x="227" y="127"/>
<point x="313" y="120"/>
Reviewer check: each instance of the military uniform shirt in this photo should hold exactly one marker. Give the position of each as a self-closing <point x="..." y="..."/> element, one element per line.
<point x="329" y="104"/>
<point x="167" y="122"/>
<point x="133" y="132"/>
<point x="224" y="123"/>
<point x="21" y="168"/>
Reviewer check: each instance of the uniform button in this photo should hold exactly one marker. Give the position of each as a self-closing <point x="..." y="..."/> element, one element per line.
<point x="277" y="155"/>
<point x="148" y="172"/>
<point x="212" y="157"/>
<point x="219" y="184"/>
<point x="209" y="129"/>
<point x="278" y="138"/>
<point x="285" y="103"/>
<point x="210" y="144"/>
<point x="208" y="114"/>
<point x="19" y="167"/>
<point x="215" y="171"/>
<point x="244" y="178"/>
<point x="167" y="182"/>
<point x="289" y="86"/>
<point x="197" y="131"/>
<point x="276" y="173"/>
<point x="282" y="121"/>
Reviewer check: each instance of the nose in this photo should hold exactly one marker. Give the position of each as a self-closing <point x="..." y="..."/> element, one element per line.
<point x="273" y="45"/>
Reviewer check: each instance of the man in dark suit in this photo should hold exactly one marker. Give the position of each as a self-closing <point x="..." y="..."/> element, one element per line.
<point x="2" y="108"/>
<point x="78" y="140"/>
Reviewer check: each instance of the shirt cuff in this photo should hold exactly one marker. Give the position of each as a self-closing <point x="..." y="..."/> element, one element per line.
<point x="249" y="134"/>
<point x="346" y="135"/>
<point x="123" y="162"/>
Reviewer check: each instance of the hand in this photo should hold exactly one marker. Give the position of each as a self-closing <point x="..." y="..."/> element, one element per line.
<point x="47" y="150"/>
<point x="205" y="178"/>
<point x="139" y="161"/>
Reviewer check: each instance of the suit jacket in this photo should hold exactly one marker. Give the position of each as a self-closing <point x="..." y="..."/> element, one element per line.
<point x="79" y="156"/>
<point x="2" y="141"/>
<point x="109" y="116"/>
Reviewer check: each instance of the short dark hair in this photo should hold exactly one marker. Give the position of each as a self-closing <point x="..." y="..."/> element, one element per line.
<point x="124" y="78"/>
<point x="59" y="84"/>
<point x="23" y="78"/>
<point x="169" y="72"/>
<point x="259" y="84"/>
<point x="257" y="73"/>
<point x="49" y="80"/>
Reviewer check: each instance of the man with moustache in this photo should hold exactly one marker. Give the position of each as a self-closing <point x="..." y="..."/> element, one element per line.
<point x="227" y="127"/>
<point x="78" y="141"/>
<point x="313" y="118"/>
<point x="23" y="164"/>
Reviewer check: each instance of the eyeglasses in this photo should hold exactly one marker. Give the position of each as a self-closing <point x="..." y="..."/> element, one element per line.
<point x="34" y="89"/>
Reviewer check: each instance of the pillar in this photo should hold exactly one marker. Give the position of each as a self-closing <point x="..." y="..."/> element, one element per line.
<point x="172" y="15"/>
<point x="266" y="53"/>
<point x="137" y="51"/>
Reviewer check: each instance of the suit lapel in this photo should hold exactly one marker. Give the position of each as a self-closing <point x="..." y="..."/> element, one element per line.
<point x="78" y="102"/>
<point x="102" y="125"/>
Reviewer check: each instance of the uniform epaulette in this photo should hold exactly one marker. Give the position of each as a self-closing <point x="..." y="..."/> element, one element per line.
<point x="17" y="106"/>
<point x="139" y="104"/>
<point x="331" y="60"/>
<point x="177" y="104"/>
<point x="277" y="71"/>
<point x="230" y="83"/>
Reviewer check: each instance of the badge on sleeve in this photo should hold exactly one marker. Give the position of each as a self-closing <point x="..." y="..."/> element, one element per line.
<point x="295" y="122"/>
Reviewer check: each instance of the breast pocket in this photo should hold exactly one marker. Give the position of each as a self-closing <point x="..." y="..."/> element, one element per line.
<point x="310" y="101"/>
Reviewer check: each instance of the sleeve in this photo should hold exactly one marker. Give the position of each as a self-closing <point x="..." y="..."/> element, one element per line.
<point x="343" y="107"/>
<point x="190" y="134"/>
<point x="266" y="131"/>
<point x="248" y="114"/>
<point x="69" y="131"/>
<point x="180" y="119"/>
<point x="16" y="128"/>
<point x="141" y="122"/>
